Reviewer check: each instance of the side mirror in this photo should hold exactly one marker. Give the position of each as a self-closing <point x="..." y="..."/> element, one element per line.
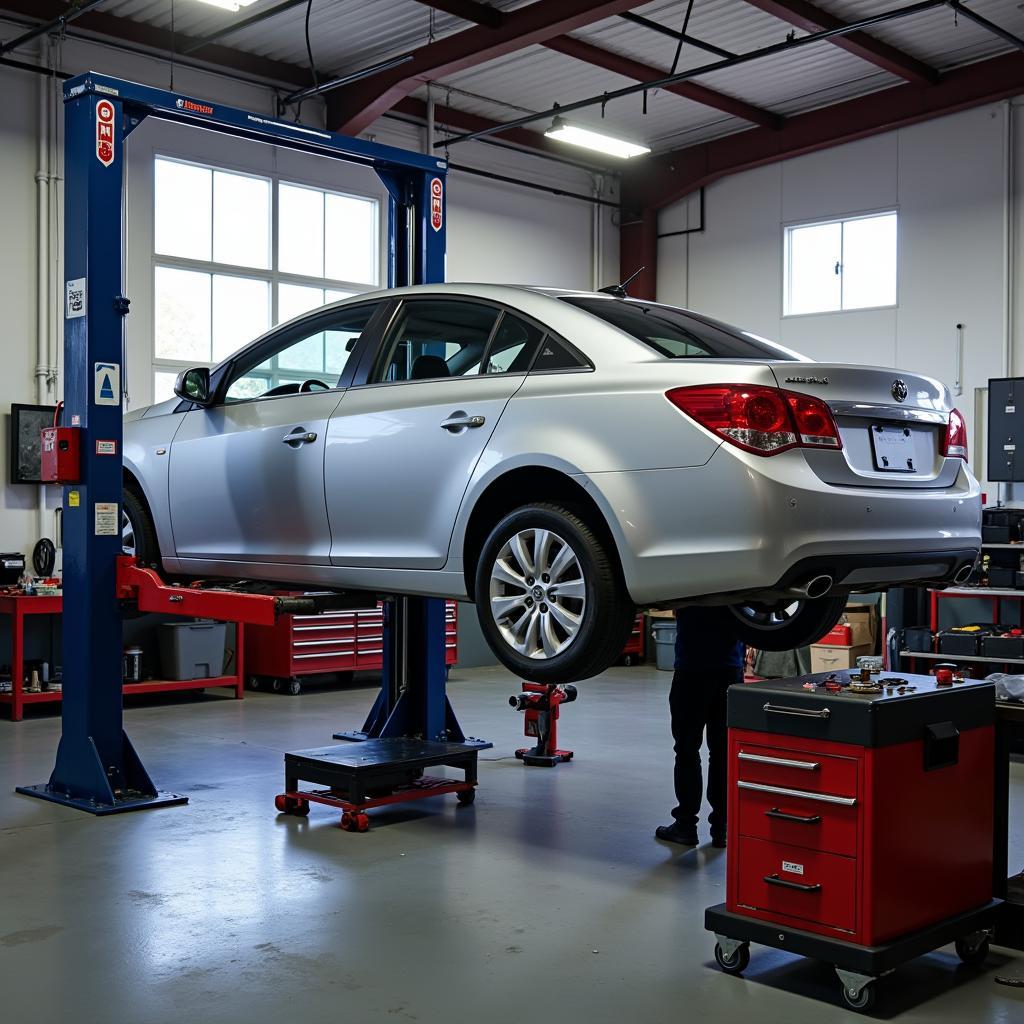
<point x="194" y="385"/>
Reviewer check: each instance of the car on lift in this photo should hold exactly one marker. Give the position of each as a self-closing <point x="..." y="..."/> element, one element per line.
<point x="559" y="458"/>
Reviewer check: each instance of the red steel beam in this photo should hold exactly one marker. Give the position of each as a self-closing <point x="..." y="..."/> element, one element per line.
<point x="629" y="68"/>
<point x="467" y="10"/>
<point x="812" y="19"/>
<point x="662" y="179"/>
<point x="352" y="108"/>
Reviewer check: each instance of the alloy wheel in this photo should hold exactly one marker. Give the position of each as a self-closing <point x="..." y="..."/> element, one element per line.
<point x="127" y="535"/>
<point x="537" y="593"/>
<point x="769" y="617"/>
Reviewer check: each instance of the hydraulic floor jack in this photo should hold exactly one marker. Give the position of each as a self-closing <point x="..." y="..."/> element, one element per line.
<point x="542" y="702"/>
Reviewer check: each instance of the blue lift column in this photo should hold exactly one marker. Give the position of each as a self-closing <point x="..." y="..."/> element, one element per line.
<point x="97" y="768"/>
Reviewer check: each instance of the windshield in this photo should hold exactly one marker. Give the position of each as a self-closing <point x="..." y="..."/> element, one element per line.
<point x="679" y="334"/>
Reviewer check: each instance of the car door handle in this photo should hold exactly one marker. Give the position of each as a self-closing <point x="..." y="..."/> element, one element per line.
<point x="460" y="421"/>
<point x="299" y="436"/>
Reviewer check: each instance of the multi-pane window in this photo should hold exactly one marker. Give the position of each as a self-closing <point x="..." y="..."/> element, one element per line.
<point x="840" y="264"/>
<point x="236" y="253"/>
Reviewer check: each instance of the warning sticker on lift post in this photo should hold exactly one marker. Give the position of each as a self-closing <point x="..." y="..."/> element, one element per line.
<point x="106" y="384"/>
<point x="436" y="204"/>
<point x="105" y="132"/>
<point x="106" y="447"/>
<point x="106" y="519"/>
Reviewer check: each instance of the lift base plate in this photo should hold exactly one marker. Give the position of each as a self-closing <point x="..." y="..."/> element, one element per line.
<point x="137" y="802"/>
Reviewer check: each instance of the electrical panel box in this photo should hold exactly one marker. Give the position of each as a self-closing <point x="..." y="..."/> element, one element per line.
<point x="61" y="455"/>
<point x="1006" y="429"/>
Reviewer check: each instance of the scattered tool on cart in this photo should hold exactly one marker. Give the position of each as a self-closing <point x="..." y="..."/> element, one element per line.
<point x="542" y="704"/>
<point x="844" y="805"/>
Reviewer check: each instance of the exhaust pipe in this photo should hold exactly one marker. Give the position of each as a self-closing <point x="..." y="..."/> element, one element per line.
<point x="816" y="586"/>
<point x="963" y="574"/>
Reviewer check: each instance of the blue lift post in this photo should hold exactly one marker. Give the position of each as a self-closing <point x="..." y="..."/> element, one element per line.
<point x="97" y="769"/>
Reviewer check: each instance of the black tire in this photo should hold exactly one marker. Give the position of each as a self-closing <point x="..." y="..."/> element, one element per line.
<point x="863" y="1001"/>
<point x="607" y="615"/>
<point x="735" y="964"/>
<point x="972" y="954"/>
<point x="797" y="623"/>
<point x="146" y="549"/>
<point x="294" y="687"/>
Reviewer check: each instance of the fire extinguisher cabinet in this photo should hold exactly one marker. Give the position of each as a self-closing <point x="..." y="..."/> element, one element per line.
<point x="860" y="823"/>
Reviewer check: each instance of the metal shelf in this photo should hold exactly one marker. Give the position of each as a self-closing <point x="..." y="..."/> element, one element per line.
<point x="961" y="657"/>
<point x="1017" y="545"/>
<point x="979" y="592"/>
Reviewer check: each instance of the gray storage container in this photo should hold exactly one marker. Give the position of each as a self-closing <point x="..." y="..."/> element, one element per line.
<point x="664" y="633"/>
<point x="192" y="650"/>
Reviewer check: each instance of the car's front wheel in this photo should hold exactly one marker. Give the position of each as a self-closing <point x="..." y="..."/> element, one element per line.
<point x="787" y="624"/>
<point x="549" y="596"/>
<point x="138" y="537"/>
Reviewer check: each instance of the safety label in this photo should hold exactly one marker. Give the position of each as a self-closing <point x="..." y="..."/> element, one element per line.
<point x="106" y="519"/>
<point x="74" y="499"/>
<point x="792" y="868"/>
<point x="436" y="204"/>
<point x="105" y="132"/>
<point x="75" y="298"/>
<point x="106" y="447"/>
<point x="107" y="384"/>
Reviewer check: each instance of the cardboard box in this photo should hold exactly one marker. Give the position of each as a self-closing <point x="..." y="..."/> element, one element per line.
<point x="828" y="658"/>
<point x="863" y="622"/>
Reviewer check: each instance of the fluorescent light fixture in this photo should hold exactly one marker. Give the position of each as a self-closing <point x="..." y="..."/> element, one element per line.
<point x="606" y="144"/>
<point x="228" y="5"/>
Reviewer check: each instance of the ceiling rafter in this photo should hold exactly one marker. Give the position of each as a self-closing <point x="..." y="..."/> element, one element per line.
<point x="467" y="10"/>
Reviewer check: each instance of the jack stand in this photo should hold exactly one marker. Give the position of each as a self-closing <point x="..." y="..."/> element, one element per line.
<point x="541" y="702"/>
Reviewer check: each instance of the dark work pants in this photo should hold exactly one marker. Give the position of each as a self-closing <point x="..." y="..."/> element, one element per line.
<point x="697" y="703"/>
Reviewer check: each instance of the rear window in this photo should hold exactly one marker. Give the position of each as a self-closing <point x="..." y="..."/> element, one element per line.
<point x="680" y="335"/>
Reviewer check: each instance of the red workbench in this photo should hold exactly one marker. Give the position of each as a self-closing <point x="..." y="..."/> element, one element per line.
<point x="19" y="606"/>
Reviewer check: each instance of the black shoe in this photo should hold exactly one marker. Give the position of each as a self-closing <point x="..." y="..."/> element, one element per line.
<point x="677" y="834"/>
<point x="718" y="840"/>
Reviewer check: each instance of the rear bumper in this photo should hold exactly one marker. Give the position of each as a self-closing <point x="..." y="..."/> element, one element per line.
<point x="742" y="526"/>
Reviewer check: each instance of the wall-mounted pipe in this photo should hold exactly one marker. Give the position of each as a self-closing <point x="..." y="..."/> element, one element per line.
<point x="42" y="370"/>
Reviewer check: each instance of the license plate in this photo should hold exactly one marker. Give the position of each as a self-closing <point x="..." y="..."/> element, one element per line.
<point x="893" y="448"/>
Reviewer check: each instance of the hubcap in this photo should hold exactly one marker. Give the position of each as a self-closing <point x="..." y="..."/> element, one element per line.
<point x="127" y="535"/>
<point x="537" y="593"/>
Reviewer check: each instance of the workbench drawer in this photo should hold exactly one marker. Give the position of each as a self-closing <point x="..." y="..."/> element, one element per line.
<point x="792" y="882"/>
<point x="797" y="769"/>
<point x="799" y="819"/>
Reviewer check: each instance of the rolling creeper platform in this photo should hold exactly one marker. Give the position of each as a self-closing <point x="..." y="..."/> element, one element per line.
<point x="375" y="773"/>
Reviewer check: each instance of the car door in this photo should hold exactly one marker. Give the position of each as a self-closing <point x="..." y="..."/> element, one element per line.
<point x="246" y="475"/>
<point x="402" y="446"/>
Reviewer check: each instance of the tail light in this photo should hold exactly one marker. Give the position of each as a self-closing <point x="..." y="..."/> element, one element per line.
<point x="759" y="419"/>
<point x="954" y="444"/>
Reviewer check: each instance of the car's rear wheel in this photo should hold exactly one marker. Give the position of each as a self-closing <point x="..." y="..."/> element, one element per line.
<point x="549" y="596"/>
<point x="786" y="624"/>
<point x="138" y="536"/>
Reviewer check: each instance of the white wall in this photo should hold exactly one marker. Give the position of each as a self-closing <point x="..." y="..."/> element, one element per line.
<point x="945" y="177"/>
<point x="497" y="231"/>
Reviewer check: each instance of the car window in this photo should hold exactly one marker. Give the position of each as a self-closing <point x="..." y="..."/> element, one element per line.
<point x="513" y="347"/>
<point x="679" y="334"/>
<point x="436" y="338"/>
<point x="318" y="355"/>
<point x="553" y="355"/>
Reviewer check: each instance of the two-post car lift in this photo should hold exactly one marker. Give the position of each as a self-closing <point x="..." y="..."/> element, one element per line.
<point x="97" y="768"/>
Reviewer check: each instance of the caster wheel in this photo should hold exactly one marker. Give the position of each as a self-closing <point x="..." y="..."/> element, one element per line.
<point x="362" y="822"/>
<point x="628" y="661"/>
<point x="348" y="823"/>
<point x="301" y="808"/>
<point x="294" y="687"/>
<point x="974" y="954"/>
<point x="735" y="964"/>
<point x="466" y="797"/>
<point x="863" y="1001"/>
<point x="254" y="682"/>
<point x="277" y="685"/>
<point x="281" y="803"/>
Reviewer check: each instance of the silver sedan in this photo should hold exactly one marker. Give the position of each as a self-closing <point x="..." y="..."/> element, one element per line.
<point x="560" y="458"/>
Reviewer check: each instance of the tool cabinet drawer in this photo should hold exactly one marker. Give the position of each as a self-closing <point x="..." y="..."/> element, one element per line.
<point x="796" y="818"/>
<point x="792" y="882"/>
<point x="797" y="769"/>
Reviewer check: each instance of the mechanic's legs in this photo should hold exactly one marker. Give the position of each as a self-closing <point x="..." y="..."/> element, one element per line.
<point x="717" y="692"/>
<point x="688" y="709"/>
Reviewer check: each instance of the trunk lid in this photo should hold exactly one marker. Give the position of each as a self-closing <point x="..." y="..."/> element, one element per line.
<point x="892" y="424"/>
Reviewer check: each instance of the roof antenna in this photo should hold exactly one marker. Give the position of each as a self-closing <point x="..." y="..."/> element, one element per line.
<point x="619" y="290"/>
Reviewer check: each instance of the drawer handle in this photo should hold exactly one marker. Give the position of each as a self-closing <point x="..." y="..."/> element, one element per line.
<point x="799" y="712"/>
<point x="781" y="762"/>
<point x="802" y="794"/>
<point x="782" y="883"/>
<point x="797" y="819"/>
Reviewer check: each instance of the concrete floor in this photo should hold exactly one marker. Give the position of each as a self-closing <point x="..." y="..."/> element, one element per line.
<point x="547" y="899"/>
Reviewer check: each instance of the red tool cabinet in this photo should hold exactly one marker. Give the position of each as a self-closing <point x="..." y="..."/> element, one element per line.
<point x="867" y="823"/>
<point x="306" y="645"/>
<point x="865" y="819"/>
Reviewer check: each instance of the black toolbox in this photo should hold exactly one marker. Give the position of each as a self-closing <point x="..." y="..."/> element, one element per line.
<point x="964" y="640"/>
<point x="1011" y="647"/>
<point x="919" y="638"/>
<point x="995" y="535"/>
<point x="1002" y="579"/>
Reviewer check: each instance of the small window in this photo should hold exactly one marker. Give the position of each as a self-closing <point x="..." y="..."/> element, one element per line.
<point x="437" y="338"/>
<point x="320" y="356"/>
<point x="840" y="265"/>
<point x="514" y="346"/>
<point x="554" y="355"/>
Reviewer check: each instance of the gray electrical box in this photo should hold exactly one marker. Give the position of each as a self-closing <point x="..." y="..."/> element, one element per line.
<point x="1006" y="428"/>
